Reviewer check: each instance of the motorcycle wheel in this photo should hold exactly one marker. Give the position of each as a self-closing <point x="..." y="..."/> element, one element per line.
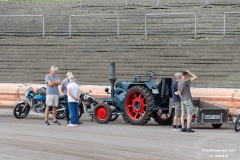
<point x="21" y="110"/>
<point x="81" y="110"/>
<point x="237" y="124"/>
<point x="61" y="105"/>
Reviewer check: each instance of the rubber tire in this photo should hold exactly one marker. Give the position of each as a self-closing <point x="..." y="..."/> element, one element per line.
<point x="216" y="126"/>
<point x="125" y="118"/>
<point x="108" y="116"/>
<point x="237" y="124"/>
<point x="81" y="110"/>
<point x="26" y="112"/>
<point x="149" y="108"/>
<point x="61" y="115"/>
<point x="160" y="121"/>
<point x="114" y="117"/>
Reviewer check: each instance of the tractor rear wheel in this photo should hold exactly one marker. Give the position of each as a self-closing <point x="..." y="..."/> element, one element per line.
<point x="125" y="118"/>
<point x="138" y="105"/>
<point x="163" y="117"/>
<point x="102" y="113"/>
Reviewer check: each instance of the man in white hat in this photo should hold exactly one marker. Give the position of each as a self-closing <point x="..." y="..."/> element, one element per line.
<point x="52" y="81"/>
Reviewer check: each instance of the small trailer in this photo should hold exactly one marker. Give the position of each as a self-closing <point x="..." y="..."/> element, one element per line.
<point x="209" y="112"/>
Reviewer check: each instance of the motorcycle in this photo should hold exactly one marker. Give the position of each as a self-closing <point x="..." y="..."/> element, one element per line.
<point x="37" y="102"/>
<point x="88" y="102"/>
<point x="237" y="124"/>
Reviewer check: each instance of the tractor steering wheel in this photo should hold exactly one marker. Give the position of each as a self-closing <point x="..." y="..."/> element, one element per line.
<point x="152" y="75"/>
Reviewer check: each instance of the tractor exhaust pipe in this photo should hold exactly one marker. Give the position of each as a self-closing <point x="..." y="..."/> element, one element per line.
<point x="112" y="78"/>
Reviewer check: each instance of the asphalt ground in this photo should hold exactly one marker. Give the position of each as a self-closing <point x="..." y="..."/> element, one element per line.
<point x="30" y="139"/>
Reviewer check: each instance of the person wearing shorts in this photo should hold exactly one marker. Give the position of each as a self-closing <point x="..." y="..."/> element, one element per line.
<point x="52" y="93"/>
<point x="186" y="99"/>
<point x="176" y="100"/>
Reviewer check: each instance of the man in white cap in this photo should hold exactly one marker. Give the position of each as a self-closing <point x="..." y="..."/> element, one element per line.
<point x="52" y="81"/>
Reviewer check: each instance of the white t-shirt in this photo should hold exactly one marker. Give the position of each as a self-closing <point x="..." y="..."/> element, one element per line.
<point x="74" y="88"/>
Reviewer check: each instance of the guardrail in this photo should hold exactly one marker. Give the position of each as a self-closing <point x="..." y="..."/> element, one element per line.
<point x="187" y="13"/>
<point x="224" y="20"/>
<point x="70" y="21"/>
<point x="43" y="20"/>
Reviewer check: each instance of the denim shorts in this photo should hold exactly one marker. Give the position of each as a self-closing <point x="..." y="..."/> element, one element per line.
<point x="187" y="107"/>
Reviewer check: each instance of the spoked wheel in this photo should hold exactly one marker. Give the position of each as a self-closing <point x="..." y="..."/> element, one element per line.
<point x="163" y="117"/>
<point x="21" y="110"/>
<point x="61" y="109"/>
<point x="237" y="124"/>
<point x="138" y="105"/>
<point x="102" y="113"/>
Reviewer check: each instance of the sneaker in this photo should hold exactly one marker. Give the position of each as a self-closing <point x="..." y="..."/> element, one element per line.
<point x="56" y="122"/>
<point x="184" y="129"/>
<point x="71" y="125"/>
<point x="189" y="130"/>
<point x="46" y="123"/>
<point x="180" y="126"/>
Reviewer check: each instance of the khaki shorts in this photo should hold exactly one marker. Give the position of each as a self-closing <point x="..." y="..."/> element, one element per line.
<point x="52" y="100"/>
<point x="177" y="106"/>
<point x="187" y="107"/>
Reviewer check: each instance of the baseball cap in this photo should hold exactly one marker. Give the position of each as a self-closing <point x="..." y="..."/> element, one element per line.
<point x="53" y="68"/>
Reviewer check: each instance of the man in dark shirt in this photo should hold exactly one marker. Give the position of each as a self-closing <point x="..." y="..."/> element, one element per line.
<point x="186" y="99"/>
<point x="176" y="102"/>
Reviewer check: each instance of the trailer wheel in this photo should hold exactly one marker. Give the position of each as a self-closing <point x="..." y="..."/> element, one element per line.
<point x="217" y="125"/>
<point x="102" y="113"/>
<point x="138" y="105"/>
<point x="163" y="117"/>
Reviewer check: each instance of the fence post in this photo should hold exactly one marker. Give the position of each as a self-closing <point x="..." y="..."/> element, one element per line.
<point x="158" y="2"/>
<point x="70" y="26"/>
<point x="195" y="25"/>
<point x="224" y="24"/>
<point x="118" y="25"/>
<point x="145" y="24"/>
<point x="126" y="2"/>
<point x="43" y="26"/>
<point x="206" y="3"/>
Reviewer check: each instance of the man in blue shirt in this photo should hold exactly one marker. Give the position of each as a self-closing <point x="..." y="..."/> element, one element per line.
<point x="176" y="102"/>
<point x="52" y="81"/>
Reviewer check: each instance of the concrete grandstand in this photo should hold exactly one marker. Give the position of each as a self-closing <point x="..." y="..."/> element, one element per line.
<point x="170" y="46"/>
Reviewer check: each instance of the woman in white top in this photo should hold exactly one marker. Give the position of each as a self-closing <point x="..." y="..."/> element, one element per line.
<point x="73" y="93"/>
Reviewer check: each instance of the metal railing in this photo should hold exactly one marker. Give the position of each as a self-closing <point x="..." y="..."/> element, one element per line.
<point x="43" y="20"/>
<point x="187" y="13"/>
<point x="70" y="21"/>
<point x="224" y="20"/>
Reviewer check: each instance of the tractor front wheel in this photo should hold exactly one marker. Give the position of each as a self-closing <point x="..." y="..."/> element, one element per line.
<point x="102" y="113"/>
<point x="138" y="105"/>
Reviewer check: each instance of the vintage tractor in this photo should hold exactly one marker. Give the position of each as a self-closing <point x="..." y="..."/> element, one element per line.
<point x="137" y="100"/>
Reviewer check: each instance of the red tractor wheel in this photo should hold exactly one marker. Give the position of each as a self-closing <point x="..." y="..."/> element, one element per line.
<point x="102" y="113"/>
<point x="138" y="105"/>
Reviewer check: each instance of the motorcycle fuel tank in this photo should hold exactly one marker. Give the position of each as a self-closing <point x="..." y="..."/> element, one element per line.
<point x="39" y="97"/>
